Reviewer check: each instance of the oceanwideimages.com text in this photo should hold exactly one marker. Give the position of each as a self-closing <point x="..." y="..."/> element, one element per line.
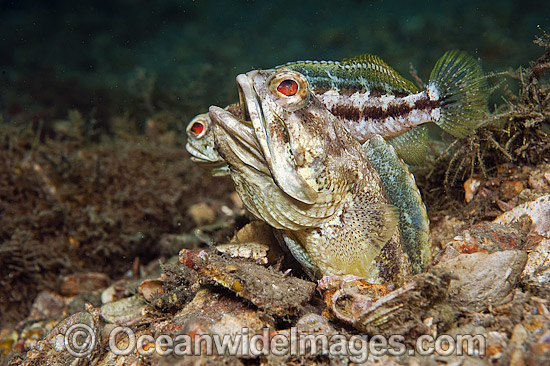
<point x="80" y="340"/>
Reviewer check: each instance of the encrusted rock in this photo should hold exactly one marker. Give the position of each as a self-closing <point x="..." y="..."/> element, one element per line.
<point x="268" y="289"/>
<point x="122" y="311"/>
<point x="74" y="341"/>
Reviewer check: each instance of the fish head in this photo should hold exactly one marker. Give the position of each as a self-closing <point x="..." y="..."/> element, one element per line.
<point x="201" y="145"/>
<point x="296" y="133"/>
<point x="289" y="158"/>
<point x="236" y="143"/>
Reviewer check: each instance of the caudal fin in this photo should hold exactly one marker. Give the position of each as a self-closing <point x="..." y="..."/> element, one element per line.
<point x="459" y="84"/>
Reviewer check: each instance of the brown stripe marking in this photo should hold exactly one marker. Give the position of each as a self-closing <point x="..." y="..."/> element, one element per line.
<point x="378" y="113"/>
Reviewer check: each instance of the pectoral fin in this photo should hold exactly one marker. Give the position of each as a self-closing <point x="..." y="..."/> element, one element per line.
<point x="412" y="145"/>
<point x="352" y="245"/>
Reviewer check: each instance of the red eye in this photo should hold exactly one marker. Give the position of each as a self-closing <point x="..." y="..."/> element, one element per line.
<point x="288" y="87"/>
<point x="197" y="128"/>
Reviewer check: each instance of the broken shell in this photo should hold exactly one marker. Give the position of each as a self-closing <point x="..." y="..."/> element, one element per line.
<point x="254" y="251"/>
<point x="261" y="233"/>
<point x="373" y="311"/>
<point x="149" y="288"/>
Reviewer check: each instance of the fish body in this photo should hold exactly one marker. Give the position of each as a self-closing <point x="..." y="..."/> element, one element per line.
<point x="296" y="167"/>
<point x="370" y="98"/>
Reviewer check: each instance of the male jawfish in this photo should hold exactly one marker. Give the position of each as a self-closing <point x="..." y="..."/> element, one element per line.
<point x="369" y="97"/>
<point x="306" y="150"/>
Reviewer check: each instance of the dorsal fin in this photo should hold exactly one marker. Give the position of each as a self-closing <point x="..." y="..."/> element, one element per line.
<point x="362" y="73"/>
<point x="380" y="72"/>
<point x="366" y="58"/>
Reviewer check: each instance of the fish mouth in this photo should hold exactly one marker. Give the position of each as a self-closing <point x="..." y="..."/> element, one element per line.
<point x="198" y="156"/>
<point x="268" y="130"/>
<point x="236" y="141"/>
<point x="211" y="161"/>
<point x="252" y="111"/>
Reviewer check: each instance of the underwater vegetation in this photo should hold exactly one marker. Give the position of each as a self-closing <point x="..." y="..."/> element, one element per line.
<point x="516" y="133"/>
<point x="68" y="206"/>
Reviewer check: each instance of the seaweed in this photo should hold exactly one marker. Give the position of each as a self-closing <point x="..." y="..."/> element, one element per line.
<point x="516" y="134"/>
<point x="71" y="206"/>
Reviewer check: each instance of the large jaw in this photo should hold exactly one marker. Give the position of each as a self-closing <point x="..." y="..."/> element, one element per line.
<point x="203" y="155"/>
<point x="272" y="137"/>
<point x="215" y="164"/>
<point x="236" y="141"/>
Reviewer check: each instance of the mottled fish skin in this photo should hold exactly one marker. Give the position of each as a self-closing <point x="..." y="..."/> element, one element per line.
<point x="370" y="98"/>
<point x="319" y="189"/>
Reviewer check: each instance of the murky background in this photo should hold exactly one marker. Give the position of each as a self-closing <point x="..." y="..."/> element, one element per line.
<point x="137" y="57"/>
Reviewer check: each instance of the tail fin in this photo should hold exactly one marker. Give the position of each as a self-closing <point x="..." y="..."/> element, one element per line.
<point x="461" y="88"/>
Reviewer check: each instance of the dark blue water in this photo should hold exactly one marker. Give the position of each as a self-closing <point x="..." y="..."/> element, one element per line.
<point x="102" y="56"/>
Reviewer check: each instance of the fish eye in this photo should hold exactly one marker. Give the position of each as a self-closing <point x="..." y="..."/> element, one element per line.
<point x="288" y="87"/>
<point x="197" y="128"/>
